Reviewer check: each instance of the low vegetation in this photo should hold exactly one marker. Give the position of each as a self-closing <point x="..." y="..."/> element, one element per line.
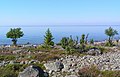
<point x="110" y="32"/>
<point x="93" y="71"/>
<point x="7" y="57"/>
<point x="12" y="70"/>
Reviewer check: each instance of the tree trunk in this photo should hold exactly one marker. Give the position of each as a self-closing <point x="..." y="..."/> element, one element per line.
<point x="14" y="42"/>
<point x="110" y="41"/>
<point x="86" y="39"/>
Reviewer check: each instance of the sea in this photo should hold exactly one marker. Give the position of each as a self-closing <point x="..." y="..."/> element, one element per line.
<point x="35" y="34"/>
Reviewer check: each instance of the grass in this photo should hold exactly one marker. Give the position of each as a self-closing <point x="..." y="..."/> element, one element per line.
<point x="93" y="71"/>
<point x="12" y="70"/>
<point x="50" y="55"/>
<point x="7" y="57"/>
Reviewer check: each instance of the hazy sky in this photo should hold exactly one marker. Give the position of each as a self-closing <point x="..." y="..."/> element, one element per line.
<point x="58" y="12"/>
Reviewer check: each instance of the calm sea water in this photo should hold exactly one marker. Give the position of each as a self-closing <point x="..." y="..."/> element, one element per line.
<point x="35" y="34"/>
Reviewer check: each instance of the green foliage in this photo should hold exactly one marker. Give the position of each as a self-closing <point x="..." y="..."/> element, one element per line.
<point x="48" y="38"/>
<point x="110" y="73"/>
<point x="69" y="50"/>
<point x="82" y="40"/>
<point x="12" y="70"/>
<point x="110" y="32"/>
<point x="77" y="38"/>
<point x="110" y="44"/>
<point x="7" y="57"/>
<point x="82" y="47"/>
<point x="7" y="73"/>
<point x="85" y="48"/>
<point x="91" y="41"/>
<point x="69" y="44"/>
<point x="14" y="34"/>
<point x="64" y="42"/>
<point x="82" y="43"/>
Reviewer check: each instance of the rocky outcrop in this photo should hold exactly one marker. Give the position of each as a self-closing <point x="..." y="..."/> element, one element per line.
<point x="55" y="66"/>
<point x="32" y="71"/>
<point x="72" y="64"/>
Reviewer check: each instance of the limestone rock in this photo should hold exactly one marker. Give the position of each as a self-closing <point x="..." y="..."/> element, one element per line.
<point x="94" y="52"/>
<point x="55" y="66"/>
<point x="32" y="71"/>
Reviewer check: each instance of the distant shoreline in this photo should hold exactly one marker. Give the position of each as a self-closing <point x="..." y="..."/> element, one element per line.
<point x="40" y="43"/>
<point x="53" y="25"/>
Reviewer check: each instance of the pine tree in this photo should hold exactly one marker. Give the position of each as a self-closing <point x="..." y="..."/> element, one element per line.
<point x="82" y="40"/>
<point x="110" y="32"/>
<point x="91" y="41"/>
<point x="64" y="42"/>
<point x="14" y="34"/>
<point x="48" y="38"/>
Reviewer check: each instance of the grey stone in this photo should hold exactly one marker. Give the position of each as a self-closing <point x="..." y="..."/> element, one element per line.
<point x="55" y="66"/>
<point x="94" y="52"/>
<point x="32" y="71"/>
<point x="11" y="62"/>
<point x="22" y="62"/>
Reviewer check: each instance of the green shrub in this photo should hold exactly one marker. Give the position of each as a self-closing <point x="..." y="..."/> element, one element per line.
<point x="7" y="57"/>
<point x="91" y="41"/>
<point x="9" y="71"/>
<point x="110" y="32"/>
<point x="82" y="40"/>
<point x="110" y="73"/>
<point x="108" y="44"/>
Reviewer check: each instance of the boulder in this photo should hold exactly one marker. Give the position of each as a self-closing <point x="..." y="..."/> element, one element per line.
<point x="94" y="52"/>
<point x="32" y="71"/>
<point x="59" y="65"/>
<point x="11" y="62"/>
<point x="55" y="66"/>
<point x="2" y="63"/>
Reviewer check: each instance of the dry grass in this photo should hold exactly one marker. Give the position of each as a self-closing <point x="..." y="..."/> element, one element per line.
<point x="50" y="55"/>
<point x="93" y="71"/>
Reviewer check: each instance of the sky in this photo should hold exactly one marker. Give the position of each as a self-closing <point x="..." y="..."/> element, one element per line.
<point x="59" y="12"/>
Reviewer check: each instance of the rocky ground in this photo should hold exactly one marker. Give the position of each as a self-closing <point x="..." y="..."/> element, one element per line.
<point x="67" y="65"/>
<point x="72" y="64"/>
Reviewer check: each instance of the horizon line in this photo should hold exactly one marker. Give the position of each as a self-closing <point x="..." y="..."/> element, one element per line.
<point x="52" y="25"/>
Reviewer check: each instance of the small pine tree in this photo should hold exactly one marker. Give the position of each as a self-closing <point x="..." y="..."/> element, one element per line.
<point x="82" y="40"/>
<point x="110" y="32"/>
<point x="82" y="43"/>
<point x="71" y="42"/>
<point x="64" y="42"/>
<point x="14" y="34"/>
<point x="91" y="41"/>
<point x="68" y="44"/>
<point x="48" y="38"/>
<point x="76" y="41"/>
